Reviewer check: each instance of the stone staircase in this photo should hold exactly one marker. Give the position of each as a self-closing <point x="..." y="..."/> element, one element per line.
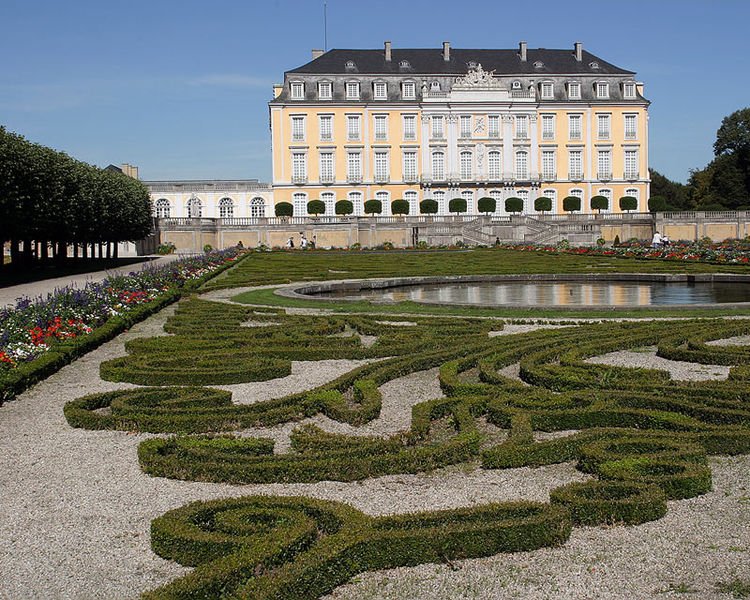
<point x="478" y="232"/>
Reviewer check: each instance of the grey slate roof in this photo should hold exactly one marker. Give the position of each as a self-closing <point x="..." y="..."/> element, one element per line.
<point x="425" y="61"/>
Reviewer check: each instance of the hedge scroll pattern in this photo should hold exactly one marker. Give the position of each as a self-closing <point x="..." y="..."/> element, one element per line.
<point x="642" y="437"/>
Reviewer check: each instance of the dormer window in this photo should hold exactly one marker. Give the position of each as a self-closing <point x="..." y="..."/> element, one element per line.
<point x="538" y="64"/>
<point x="574" y="90"/>
<point x="628" y="90"/>
<point x="297" y="89"/>
<point x="352" y="90"/>
<point x="435" y="86"/>
<point x="404" y="64"/>
<point x="548" y="90"/>
<point x="516" y="85"/>
<point x="594" y="65"/>
<point x="379" y="90"/>
<point x="472" y="65"/>
<point x="325" y="90"/>
<point x="409" y="90"/>
<point x="602" y="90"/>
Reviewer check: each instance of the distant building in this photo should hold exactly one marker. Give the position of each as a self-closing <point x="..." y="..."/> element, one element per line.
<point x="125" y="169"/>
<point x="444" y="123"/>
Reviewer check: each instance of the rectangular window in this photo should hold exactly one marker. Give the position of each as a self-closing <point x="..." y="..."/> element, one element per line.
<point x="380" y="91"/>
<point x="602" y="91"/>
<point x="628" y="90"/>
<point x="494" y="165"/>
<point x="410" y="166"/>
<point x="522" y="165"/>
<point x="324" y="90"/>
<point x="298" y="129"/>
<point x="352" y="127"/>
<point x="465" y="126"/>
<point x="326" y="167"/>
<point x="631" y="130"/>
<point x="299" y="165"/>
<point x="602" y="129"/>
<point x="574" y="91"/>
<point x="493" y="126"/>
<point x="574" y="127"/>
<point x="522" y="127"/>
<point x="548" y="164"/>
<point x="438" y="165"/>
<point x="298" y="90"/>
<point x="548" y="127"/>
<point x="408" y="90"/>
<point x="437" y="127"/>
<point x="352" y="90"/>
<point x="381" y="127"/>
<point x="575" y="164"/>
<point x="354" y="166"/>
<point x="604" y="164"/>
<point x="631" y="164"/>
<point x="548" y="91"/>
<point x="465" y="165"/>
<point x="381" y="166"/>
<point x="410" y="127"/>
<point x="326" y="128"/>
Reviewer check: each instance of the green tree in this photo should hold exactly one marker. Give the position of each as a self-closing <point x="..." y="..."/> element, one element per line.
<point x="628" y="203"/>
<point x="344" y="207"/>
<point x="571" y="204"/>
<point x="283" y="209"/>
<point x="543" y="204"/>
<point x="513" y="205"/>
<point x="657" y="204"/>
<point x="428" y="207"/>
<point x="373" y="207"/>
<point x="457" y="205"/>
<point x="400" y="207"/>
<point x="487" y="205"/>
<point x="599" y="203"/>
<point x="677" y="195"/>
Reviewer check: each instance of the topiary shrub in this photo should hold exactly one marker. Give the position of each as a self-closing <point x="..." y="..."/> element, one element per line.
<point x="571" y="204"/>
<point x="657" y="204"/>
<point x="599" y="203"/>
<point x="316" y="207"/>
<point x="543" y="204"/>
<point x="283" y="209"/>
<point x="487" y="205"/>
<point x="373" y="207"/>
<point x="513" y="205"/>
<point x="428" y="207"/>
<point x="344" y="207"/>
<point x="457" y="205"/>
<point x="400" y="207"/>
<point x="628" y="203"/>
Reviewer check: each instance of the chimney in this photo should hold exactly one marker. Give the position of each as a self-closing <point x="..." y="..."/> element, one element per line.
<point x="522" y="51"/>
<point x="446" y="51"/>
<point x="387" y="52"/>
<point x="578" y="47"/>
<point x="317" y="53"/>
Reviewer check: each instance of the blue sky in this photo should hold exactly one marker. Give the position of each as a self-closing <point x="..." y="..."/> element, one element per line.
<point x="180" y="88"/>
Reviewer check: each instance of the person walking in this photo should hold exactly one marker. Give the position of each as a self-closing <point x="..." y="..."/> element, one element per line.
<point x="303" y="242"/>
<point x="290" y="243"/>
<point x="656" y="241"/>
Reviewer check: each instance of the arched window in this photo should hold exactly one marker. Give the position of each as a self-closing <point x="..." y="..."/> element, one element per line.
<point x="498" y="196"/>
<point x="385" y="199"/>
<point x="468" y="195"/>
<point x="494" y="165"/>
<point x="194" y="208"/>
<point x="435" y="86"/>
<point x="329" y="199"/>
<point x="356" y="199"/>
<point x="299" y="202"/>
<point x="465" y="163"/>
<point x="552" y="195"/>
<point x="607" y="193"/>
<point x="413" y="199"/>
<point x="258" y="208"/>
<point x="439" y="197"/>
<point x="162" y="208"/>
<point x="438" y="165"/>
<point x="524" y="195"/>
<point x="632" y="192"/>
<point x="226" y="208"/>
<point x="522" y="164"/>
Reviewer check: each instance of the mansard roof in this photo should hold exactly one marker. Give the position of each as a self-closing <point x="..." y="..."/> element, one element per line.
<point x="429" y="61"/>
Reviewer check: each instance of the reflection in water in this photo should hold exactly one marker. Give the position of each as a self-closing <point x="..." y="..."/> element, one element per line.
<point x="569" y="293"/>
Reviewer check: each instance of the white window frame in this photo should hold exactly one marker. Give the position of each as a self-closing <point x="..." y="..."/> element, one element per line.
<point x="322" y="85"/>
<point x="352" y="90"/>
<point x="410" y="132"/>
<point x="297" y="90"/>
<point x="521" y="164"/>
<point x="321" y="129"/>
<point x="602" y="90"/>
<point x="604" y="164"/>
<point x="493" y="126"/>
<point x="329" y="200"/>
<point x="522" y="127"/>
<point x="495" y="168"/>
<point x="548" y="127"/>
<point x="409" y="164"/>
<point x="603" y="126"/>
<point x="257" y="208"/>
<point x="327" y="166"/>
<point x="412" y="197"/>
<point x="381" y="163"/>
<point x="630" y="173"/>
<point x="380" y="90"/>
<point x="552" y="195"/>
<point x="299" y="167"/>
<point x="298" y="128"/>
<point x="439" y="197"/>
<point x="356" y="198"/>
<point x="162" y="208"/>
<point x="575" y="134"/>
<point x="465" y="126"/>
<point x="524" y="197"/>
<point x="385" y="200"/>
<point x="575" y="164"/>
<point x="354" y="134"/>
<point x="299" y="204"/>
<point x="226" y="209"/>
<point x="574" y="90"/>
<point x="437" y="127"/>
<point x="627" y="119"/>
<point x="466" y="164"/>
<point x="380" y="127"/>
<point x="499" y="204"/>
<point x="629" y="90"/>
<point x="354" y="166"/>
<point x="548" y="90"/>
<point x="549" y="170"/>
<point x="468" y="195"/>
<point x="438" y="168"/>
<point x="409" y="90"/>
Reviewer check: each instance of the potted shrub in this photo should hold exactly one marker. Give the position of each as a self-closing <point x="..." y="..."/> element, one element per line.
<point x="283" y="210"/>
<point x="344" y="208"/>
<point x="571" y="204"/>
<point x="428" y="207"/>
<point x="628" y="203"/>
<point x="487" y="205"/>
<point x="457" y="205"/>
<point x="543" y="204"/>
<point x="400" y="207"/>
<point x="599" y="203"/>
<point x="513" y="205"/>
<point x="373" y="207"/>
<point x="316" y="207"/>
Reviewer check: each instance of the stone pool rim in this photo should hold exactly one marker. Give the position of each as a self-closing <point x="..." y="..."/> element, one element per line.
<point x="310" y="290"/>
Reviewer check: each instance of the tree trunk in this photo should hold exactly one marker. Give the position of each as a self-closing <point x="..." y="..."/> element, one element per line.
<point x="75" y="249"/>
<point x="115" y="250"/>
<point x="84" y="250"/>
<point x="109" y="249"/>
<point x="45" y="250"/>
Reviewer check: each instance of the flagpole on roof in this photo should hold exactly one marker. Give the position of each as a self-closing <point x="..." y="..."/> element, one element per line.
<point x="325" y="26"/>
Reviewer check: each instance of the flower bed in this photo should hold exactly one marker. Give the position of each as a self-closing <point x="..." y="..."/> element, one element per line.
<point x="727" y="252"/>
<point x="38" y="336"/>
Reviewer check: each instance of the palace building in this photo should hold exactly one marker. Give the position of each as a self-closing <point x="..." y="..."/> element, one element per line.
<point x="437" y="123"/>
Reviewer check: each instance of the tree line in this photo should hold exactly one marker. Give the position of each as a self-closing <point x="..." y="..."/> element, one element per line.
<point x="724" y="183"/>
<point x="52" y="204"/>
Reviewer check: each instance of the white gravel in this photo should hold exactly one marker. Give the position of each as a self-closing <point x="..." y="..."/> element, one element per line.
<point x="678" y="370"/>
<point x="75" y="507"/>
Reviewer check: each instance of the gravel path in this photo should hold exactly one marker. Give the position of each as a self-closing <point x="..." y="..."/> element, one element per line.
<point x="75" y="508"/>
<point x="678" y="370"/>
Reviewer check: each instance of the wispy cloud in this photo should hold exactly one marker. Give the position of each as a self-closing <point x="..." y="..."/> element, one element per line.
<point x="230" y="80"/>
